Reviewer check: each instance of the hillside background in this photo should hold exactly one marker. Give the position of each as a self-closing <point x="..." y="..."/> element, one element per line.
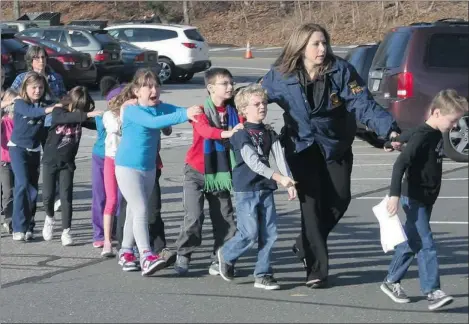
<point x="265" y="23"/>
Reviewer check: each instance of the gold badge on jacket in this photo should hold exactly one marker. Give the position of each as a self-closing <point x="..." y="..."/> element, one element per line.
<point x="335" y="100"/>
<point x="355" y="88"/>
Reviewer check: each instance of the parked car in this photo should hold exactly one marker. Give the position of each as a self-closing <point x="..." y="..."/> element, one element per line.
<point x="19" y="26"/>
<point x="76" y="68"/>
<point x="182" y="51"/>
<point x="13" y="52"/>
<point x="413" y="63"/>
<point x="135" y="58"/>
<point x="104" y="50"/>
<point x="361" y="57"/>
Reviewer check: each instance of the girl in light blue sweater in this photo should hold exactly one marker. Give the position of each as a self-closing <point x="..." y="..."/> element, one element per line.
<point x="142" y="117"/>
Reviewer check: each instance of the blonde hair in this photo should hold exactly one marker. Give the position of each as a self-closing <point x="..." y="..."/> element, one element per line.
<point x="244" y="95"/>
<point x="142" y="78"/>
<point x="30" y="78"/>
<point x="291" y="58"/>
<point x="448" y="102"/>
<point x="10" y="94"/>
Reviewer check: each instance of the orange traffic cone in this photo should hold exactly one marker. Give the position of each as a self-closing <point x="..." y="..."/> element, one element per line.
<point x="248" y="54"/>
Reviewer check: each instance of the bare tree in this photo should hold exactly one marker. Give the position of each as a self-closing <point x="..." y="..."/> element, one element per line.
<point x="430" y="8"/>
<point x="185" y="10"/>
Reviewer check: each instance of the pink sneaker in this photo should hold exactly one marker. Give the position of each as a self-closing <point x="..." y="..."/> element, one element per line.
<point x="151" y="264"/>
<point x="98" y="244"/>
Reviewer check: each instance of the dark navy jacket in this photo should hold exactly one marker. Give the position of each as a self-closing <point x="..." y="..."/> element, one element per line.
<point x="332" y="124"/>
<point x="29" y="122"/>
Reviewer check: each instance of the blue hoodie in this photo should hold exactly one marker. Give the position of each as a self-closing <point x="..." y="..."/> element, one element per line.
<point x="141" y="133"/>
<point x="29" y="122"/>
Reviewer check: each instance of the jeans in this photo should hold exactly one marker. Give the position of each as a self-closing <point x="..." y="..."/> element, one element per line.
<point x="256" y="220"/>
<point x="7" y="181"/>
<point x="419" y="242"/>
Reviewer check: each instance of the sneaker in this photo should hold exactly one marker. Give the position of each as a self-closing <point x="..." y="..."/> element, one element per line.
<point x="438" y="299"/>
<point x="181" y="266"/>
<point x="57" y="205"/>
<point x="225" y="270"/>
<point x="107" y="251"/>
<point x="168" y="256"/>
<point x="18" y="236"/>
<point x="266" y="282"/>
<point x="213" y="270"/>
<point x="151" y="264"/>
<point x="395" y="292"/>
<point x="48" y="228"/>
<point x="128" y="262"/>
<point x="29" y="236"/>
<point x="66" y="237"/>
<point x="98" y="244"/>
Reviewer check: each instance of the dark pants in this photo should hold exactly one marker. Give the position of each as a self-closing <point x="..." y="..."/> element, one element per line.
<point x="419" y="243"/>
<point x="98" y="197"/>
<point x="7" y="183"/>
<point x="64" y="174"/>
<point x="155" y="222"/>
<point x="324" y="194"/>
<point x="25" y="165"/>
<point x="220" y="209"/>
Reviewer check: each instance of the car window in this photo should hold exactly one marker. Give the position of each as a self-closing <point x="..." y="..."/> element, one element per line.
<point x="14" y="27"/>
<point x="59" y="48"/>
<point x="193" y="34"/>
<point x="12" y="45"/>
<point x="104" y="37"/>
<point x="53" y="35"/>
<point x="32" y="33"/>
<point x="128" y="47"/>
<point x="161" y="34"/>
<point x="448" y="51"/>
<point x="391" y="52"/>
<point x="77" y="39"/>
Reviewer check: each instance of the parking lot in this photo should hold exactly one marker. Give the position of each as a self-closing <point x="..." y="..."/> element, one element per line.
<point x="45" y="282"/>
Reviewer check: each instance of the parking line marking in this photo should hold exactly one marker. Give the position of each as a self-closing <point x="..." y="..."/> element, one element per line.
<point x="441" y="197"/>
<point x="449" y="222"/>
<point x="389" y="164"/>
<point x="370" y="179"/>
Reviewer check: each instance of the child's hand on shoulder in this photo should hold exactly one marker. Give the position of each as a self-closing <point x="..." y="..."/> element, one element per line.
<point x="130" y="102"/>
<point x="291" y="193"/>
<point x="287" y="182"/>
<point x="392" y="205"/>
<point x="94" y="113"/>
<point x="192" y="112"/>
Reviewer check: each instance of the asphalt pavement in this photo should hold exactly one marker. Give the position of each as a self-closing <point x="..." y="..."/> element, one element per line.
<point x="46" y="282"/>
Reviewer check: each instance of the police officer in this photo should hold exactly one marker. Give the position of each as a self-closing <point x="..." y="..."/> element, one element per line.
<point x="322" y="96"/>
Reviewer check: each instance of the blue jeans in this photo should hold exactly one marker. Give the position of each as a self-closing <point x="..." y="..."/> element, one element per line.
<point x="256" y="220"/>
<point x="25" y="166"/>
<point x="420" y="242"/>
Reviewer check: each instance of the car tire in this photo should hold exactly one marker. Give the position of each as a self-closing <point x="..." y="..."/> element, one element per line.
<point x="456" y="141"/>
<point x="167" y="70"/>
<point x="185" y="77"/>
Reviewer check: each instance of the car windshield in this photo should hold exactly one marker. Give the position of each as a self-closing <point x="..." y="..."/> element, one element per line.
<point x="128" y="47"/>
<point x="59" y="48"/>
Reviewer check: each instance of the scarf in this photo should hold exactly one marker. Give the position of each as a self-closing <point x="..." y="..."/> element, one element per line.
<point x="217" y="163"/>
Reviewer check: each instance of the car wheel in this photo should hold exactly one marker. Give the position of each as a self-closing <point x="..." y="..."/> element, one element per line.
<point x="456" y="142"/>
<point x="185" y="77"/>
<point x="167" y="68"/>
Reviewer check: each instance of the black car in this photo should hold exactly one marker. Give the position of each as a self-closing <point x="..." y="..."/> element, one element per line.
<point x="135" y="58"/>
<point x="13" y="52"/>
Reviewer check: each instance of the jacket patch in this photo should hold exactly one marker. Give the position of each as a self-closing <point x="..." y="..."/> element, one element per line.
<point x="355" y="88"/>
<point x="335" y="100"/>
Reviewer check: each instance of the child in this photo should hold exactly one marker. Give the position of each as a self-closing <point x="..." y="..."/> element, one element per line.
<point x="254" y="185"/>
<point x="207" y="173"/>
<point x="7" y="178"/>
<point x="60" y="151"/>
<point x="142" y="118"/>
<point x="109" y="88"/>
<point x="25" y="151"/>
<point x="421" y="161"/>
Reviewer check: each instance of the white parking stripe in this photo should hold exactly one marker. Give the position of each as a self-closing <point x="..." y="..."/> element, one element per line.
<point x="440" y="197"/>
<point x="371" y="179"/>
<point x="449" y="222"/>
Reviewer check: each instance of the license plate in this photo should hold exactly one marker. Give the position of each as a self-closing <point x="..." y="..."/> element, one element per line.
<point x="85" y="64"/>
<point x="375" y="86"/>
<point x="114" y="56"/>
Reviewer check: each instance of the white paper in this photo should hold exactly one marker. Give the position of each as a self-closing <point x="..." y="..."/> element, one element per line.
<point x="391" y="230"/>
